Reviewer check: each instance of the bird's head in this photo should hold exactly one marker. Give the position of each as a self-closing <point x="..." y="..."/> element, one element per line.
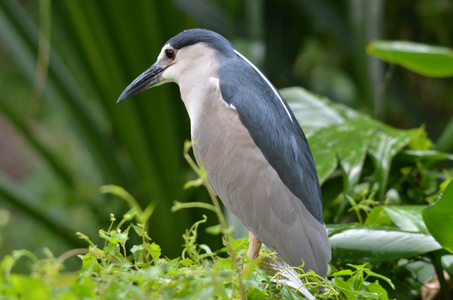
<point x="191" y="53"/>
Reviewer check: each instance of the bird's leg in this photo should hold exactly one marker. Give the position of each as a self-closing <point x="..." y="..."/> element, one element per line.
<point x="254" y="246"/>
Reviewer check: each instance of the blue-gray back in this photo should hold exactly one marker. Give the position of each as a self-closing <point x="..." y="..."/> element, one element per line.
<point x="280" y="139"/>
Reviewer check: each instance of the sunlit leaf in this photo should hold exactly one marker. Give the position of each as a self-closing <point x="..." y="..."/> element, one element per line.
<point x="424" y="59"/>
<point x="377" y="289"/>
<point x="419" y="140"/>
<point x="438" y="218"/>
<point x="378" y="243"/>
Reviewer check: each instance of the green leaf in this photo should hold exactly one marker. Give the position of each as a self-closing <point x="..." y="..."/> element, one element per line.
<point x="382" y="277"/>
<point x="378" y="217"/>
<point x="378" y="243"/>
<point x="424" y="59"/>
<point x="405" y="217"/>
<point x="438" y="218"/>
<point x="419" y="139"/>
<point x="344" y="272"/>
<point x="255" y="294"/>
<point x="341" y="136"/>
<point x="154" y="250"/>
<point x="346" y="289"/>
<point x="27" y="287"/>
<point x="186" y="262"/>
<point x="377" y="289"/>
<point x="427" y="157"/>
<point x="288" y="293"/>
<point x="214" y="230"/>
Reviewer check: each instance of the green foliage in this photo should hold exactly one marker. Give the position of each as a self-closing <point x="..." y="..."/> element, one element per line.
<point x="358" y="243"/>
<point x="341" y="136"/>
<point x="67" y="62"/>
<point x="120" y="271"/>
<point x="77" y="133"/>
<point x="356" y="285"/>
<point x="438" y="218"/>
<point x="405" y="217"/>
<point x="386" y="231"/>
<point x="424" y="59"/>
<point x="110" y="272"/>
<point x="388" y="178"/>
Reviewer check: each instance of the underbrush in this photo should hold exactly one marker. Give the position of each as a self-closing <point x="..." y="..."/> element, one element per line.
<point x="119" y="270"/>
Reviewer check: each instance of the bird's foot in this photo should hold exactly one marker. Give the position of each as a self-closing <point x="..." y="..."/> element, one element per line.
<point x="254" y="246"/>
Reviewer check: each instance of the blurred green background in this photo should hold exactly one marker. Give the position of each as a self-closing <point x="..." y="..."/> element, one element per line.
<point x="64" y="63"/>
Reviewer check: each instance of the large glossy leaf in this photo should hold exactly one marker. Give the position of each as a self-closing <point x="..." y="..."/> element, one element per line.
<point x="424" y="59"/>
<point x="377" y="243"/>
<point x="439" y="218"/>
<point x="341" y="136"/>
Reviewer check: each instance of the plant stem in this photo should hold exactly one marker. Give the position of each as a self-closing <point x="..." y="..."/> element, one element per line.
<point x="226" y="236"/>
<point x="436" y="259"/>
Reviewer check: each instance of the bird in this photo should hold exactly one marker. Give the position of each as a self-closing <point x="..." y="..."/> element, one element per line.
<point x="255" y="153"/>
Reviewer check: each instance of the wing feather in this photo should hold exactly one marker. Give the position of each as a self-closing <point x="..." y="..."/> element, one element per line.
<point x="274" y="129"/>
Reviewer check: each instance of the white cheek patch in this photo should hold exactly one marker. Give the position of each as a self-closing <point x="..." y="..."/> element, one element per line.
<point x="267" y="81"/>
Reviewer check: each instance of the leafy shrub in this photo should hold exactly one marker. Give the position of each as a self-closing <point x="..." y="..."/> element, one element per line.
<point x="120" y="271"/>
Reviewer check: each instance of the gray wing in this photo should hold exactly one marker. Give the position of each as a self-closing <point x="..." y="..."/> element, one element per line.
<point x="277" y="134"/>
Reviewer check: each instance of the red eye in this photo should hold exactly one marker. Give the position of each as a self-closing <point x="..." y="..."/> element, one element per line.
<point x="170" y="54"/>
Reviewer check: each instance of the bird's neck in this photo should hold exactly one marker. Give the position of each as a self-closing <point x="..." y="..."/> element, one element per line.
<point x="195" y="93"/>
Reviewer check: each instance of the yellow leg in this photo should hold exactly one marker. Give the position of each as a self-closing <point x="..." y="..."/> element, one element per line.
<point x="254" y="247"/>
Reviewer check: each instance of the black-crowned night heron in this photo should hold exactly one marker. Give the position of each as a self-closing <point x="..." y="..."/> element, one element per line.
<point x="256" y="155"/>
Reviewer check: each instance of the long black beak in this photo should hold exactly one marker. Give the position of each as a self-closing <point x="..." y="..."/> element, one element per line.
<point x="146" y="80"/>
